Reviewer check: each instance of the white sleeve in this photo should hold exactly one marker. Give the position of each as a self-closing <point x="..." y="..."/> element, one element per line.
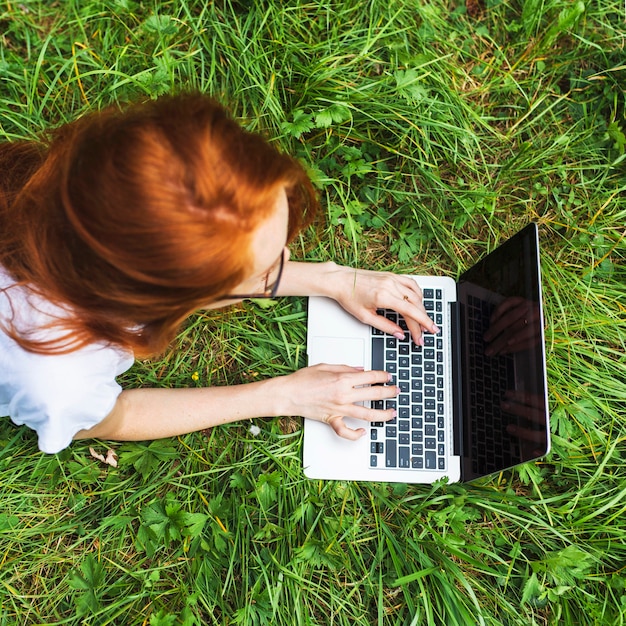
<point x="58" y="395"/>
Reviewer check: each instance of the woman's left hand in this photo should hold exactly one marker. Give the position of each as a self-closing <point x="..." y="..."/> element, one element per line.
<point x="362" y="292"/>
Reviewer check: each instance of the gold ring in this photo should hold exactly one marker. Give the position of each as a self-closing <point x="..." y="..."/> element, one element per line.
<point x="525" y="322"/>
<point x="406" y="298"/>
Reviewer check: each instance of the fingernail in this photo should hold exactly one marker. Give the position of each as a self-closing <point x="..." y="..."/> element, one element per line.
<point x="389" y="377"/>
<point x="398" y="390"/>
<point x="399" y="335"/>
<point x="436" y="329"/>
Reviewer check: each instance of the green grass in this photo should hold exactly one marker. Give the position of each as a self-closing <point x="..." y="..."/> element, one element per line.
<point x="432" y="136"/>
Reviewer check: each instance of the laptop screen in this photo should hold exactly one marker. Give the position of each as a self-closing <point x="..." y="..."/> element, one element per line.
<point x="505" y="417"/>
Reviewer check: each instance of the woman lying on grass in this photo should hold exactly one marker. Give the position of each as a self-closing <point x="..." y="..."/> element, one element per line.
<point x="123" y="225"/>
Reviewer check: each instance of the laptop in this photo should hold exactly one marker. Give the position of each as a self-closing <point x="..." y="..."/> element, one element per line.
<point x="472" y="401"/>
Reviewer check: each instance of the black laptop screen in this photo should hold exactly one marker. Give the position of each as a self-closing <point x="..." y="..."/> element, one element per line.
<point x="505" y="418"/>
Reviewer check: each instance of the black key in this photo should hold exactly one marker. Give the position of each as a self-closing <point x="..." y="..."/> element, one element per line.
<point x="429" y="366"/>
<point x="390" y="342"/>
<point x="376" y="447"/>
<point x="404" y="400"/>
<point x="416" y="384"/>
<point x="431" y="460"/>
<point x="418" y="463"/>
<point x="416" y="409"/>
<point x="441" y="450"/>
<point x="429" y="341"/>
<point x="442" y="463"/>
<point x="416" y="359"/>
<point x="440" y="395"/>
<point x="429" y="392"/>
<point x="390" y="454"/>
<point x="429" y="353"/>
<point x="403" y="375"/>
<point x="429" y="305"/>
<point x="404" y="439"/>
<point x="403" y="361"/>
<point x="430" y="430"/>
<point x="404" y="458"/>
<point x="404" y="386"/>
<point x="416" y="372"/>
<point x="403" y="348"/>
<point x="438" y="294"/>
<point x="441" y="435"/>
<point x="403" y="426"/>
<point x="404" y="412"/>
<point x="429" y="404"/>
<point x="373" y="461"/>
<point x="416" y="397"/>
<point x="428" y="293"/>
<point x="430" y="443"/>
<point x="429" y="379"/>
<point x="390" y="404"/>
<point x="417" y="436"/>
<point x="417" y="449"/>
<point x="378" y="404"/>
<point x="430" y="417"/>
<point x="391" y="431"/>
<point x="391" y="367"/>
<point x="391" y="355"/>
<point x="373" y="434"/>
<point x="378" y="351"/>
<point x="416" y="423"/>
<point x="378" y="424"/>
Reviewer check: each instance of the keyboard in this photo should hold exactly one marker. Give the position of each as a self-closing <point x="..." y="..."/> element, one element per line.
<point x="417" y="437"/>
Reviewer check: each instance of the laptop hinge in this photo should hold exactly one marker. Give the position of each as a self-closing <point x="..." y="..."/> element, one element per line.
<point x="457" y="376"/>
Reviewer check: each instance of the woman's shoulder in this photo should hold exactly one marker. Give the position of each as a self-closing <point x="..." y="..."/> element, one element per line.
<point x="23" y="307"/>
<point x="26" y="312"/>
<point x="55" y="394"/>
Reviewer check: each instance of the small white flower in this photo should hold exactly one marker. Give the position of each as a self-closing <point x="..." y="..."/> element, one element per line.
<point x="254" y="430"/>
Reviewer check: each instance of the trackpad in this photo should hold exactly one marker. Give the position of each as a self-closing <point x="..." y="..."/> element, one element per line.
<point x="337" y="351"/>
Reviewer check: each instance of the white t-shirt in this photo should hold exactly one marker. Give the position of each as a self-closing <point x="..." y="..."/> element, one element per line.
<point x="56" y="395"/>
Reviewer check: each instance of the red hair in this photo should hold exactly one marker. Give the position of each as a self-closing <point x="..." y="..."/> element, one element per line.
<point x="136" y="218"/>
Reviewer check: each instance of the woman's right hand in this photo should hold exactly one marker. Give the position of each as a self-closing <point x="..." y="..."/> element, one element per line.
<point x="328" y="393"/>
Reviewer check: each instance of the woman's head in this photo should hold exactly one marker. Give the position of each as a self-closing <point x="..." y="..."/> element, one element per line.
<point x="135" y="218"/>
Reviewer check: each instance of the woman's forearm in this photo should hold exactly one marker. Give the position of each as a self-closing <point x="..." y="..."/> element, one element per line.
<point x="141" y="414"/>
<point x="311" y="279"/>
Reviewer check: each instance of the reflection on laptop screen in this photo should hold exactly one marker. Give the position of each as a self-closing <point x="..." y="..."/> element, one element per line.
<point x="502" y="356"/>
